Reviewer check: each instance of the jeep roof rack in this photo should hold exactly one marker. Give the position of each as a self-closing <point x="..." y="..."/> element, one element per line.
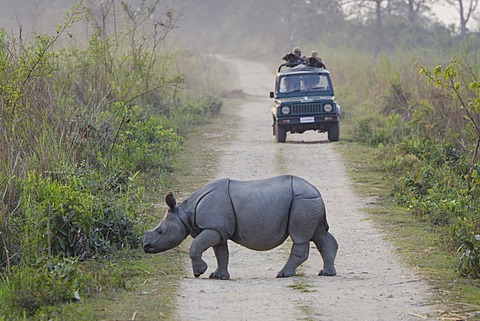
<point x="289" y="65"/>
<point x="300" y="66"/>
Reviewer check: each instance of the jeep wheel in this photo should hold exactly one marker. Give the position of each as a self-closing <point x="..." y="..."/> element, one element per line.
<point x="280" y="134"/>
<point x="334" y="133"/>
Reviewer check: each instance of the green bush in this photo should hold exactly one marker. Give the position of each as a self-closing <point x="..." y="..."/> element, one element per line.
<point x="70" y="219"/>
<point x="30" y="290"/>
<point x="467" y="236"/>
<point x="78" y="215"/>
<point x="435" y="153"/>
<point x="144" y="144"/>
<point x="378" y="130"/>
<point x="430" y="178"/>
<point x="193" y="112"/>
<point x="44" y="283"/>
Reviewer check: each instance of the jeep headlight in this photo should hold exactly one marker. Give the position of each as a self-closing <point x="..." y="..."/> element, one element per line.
<point x="285" y="110"/>
<point x="328" y="107"/>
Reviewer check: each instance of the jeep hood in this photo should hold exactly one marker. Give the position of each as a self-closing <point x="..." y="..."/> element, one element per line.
<point x="304" y="99"/>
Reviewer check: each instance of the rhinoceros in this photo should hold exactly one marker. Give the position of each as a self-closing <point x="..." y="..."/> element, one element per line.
<point x="257" y="214"/>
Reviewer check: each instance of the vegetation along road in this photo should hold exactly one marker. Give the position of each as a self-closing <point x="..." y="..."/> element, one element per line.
<point x="372" y="283"/>
<point x="107" y="105"/>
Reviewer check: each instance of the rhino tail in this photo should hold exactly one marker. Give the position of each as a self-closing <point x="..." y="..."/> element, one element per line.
<point x="325" y="223"/>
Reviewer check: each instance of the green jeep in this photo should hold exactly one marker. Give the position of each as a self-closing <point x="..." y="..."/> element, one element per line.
<point x="304" y="100"/>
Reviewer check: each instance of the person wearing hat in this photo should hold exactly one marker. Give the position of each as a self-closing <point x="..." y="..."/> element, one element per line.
<point x="297" y="52"/>
<point x="315" y="61"/>
<point x="295" y="56"/>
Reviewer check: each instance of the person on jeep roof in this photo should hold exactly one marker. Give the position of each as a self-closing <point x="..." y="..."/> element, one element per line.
<point x="295" y="56"/>
<point x="315" y="61"/>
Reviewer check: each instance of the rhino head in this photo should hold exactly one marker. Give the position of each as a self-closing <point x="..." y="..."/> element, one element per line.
<point x="169" y="233"/>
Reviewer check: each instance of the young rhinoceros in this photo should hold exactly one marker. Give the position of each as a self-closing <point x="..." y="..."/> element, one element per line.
<point x="258" y="214"/>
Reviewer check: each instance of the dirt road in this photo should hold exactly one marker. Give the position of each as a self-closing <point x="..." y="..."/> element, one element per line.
<point x="372" y="283"/>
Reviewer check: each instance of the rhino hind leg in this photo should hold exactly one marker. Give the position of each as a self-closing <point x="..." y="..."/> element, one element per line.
<point x="204" y="240"/>
<point x="304" y="212"/>
<point x="327" y="246"/>
<point x="298" y="255"/>
<point x="222" y="255"/>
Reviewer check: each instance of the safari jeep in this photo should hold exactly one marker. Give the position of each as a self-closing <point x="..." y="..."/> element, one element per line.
<point x="304" y="100"/>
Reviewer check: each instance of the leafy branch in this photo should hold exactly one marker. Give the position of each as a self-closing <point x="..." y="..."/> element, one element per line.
<point x="450" y="78"/>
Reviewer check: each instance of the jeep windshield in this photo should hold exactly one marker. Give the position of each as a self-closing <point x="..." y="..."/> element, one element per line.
<point x="316" y="83"/>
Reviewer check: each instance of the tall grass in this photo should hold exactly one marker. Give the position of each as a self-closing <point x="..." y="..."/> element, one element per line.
<point x="80" y="125"/>
<point x="428" y="135"/>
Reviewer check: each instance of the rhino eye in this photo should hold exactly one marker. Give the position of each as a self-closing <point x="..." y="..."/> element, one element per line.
<point x="159" y="231"/>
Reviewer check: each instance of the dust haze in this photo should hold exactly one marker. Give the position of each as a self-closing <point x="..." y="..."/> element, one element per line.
<point x="254" y="29"/>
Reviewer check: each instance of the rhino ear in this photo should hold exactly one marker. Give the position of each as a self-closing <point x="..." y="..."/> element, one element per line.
<point x="170" y="200"/>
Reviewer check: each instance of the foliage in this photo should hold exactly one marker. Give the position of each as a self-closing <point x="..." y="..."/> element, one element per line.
<point x="428" y="136"/>
<point x="79" y="128"/>
<point x="31" y="290"/>
<point x="379" y="129"/>
<point x="430" y="249"/>
<point x="469" y="246"/>
<point x="143" y="144"/>
<point x="428" y="179"/>
<point x="459" y="78"/>
<point x="72" y="220"/>
<point x="40" y="284"/>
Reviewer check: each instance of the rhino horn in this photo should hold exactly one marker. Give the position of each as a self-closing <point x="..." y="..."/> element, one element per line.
<point x="170" y="200"/>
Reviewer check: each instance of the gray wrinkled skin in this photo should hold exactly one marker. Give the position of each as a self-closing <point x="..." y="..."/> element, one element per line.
<point x="258" y="214"/>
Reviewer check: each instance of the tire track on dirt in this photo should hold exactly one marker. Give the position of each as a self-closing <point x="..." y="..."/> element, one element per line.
<point x="372" y="284"/>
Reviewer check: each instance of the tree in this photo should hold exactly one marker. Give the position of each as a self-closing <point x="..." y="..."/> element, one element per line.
<point x="309" y="19"/>
<point x="415" y="8"/>
<point x="466" y="9"/>
<point x="410" y="9"/>
<point x="370" y="8"/>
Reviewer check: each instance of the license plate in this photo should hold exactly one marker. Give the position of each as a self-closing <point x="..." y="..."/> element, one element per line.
<point x="304" y="120"/>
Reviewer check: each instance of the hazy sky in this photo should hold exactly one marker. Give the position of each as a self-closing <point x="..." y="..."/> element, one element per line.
<point x="35" y="16"/>
<point x="448" y="15"/>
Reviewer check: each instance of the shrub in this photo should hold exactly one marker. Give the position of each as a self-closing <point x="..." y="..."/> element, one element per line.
<point x="44" y="283"/>
<point x="468" y="237"/>
<point x="430" y="182"/>
<point x="144" y="144"/>
<point x="379" y="130"/>
<point x="29" y="291"/>
<point x="78" y="217"/>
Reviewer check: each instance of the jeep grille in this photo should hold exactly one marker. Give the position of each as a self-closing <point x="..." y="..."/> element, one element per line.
<point x="306" y="109"/>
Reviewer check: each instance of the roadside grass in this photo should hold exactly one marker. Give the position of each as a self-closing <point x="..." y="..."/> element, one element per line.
<point x="417" y="243"/>
<point x="148" y="293"/>
<point x="149" y="283"/>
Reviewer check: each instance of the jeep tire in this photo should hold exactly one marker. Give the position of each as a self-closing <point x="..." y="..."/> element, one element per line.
<point x="280" y="133"/>
<point x="334" y="132"/>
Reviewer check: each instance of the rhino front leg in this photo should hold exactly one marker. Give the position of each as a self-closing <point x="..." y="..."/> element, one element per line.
<point x="204" y="240"/>
<point x="298" y="255"/>
<point x="221" y="253"/>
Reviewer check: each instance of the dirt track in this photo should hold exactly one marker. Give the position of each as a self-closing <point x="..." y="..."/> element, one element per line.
<point x="372" y="284"/>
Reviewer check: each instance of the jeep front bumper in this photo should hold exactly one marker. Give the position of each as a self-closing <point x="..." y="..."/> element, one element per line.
<point x="301" y="124"/>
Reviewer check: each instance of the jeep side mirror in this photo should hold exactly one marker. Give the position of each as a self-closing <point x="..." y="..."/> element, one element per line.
<point x="272" y="94"/>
